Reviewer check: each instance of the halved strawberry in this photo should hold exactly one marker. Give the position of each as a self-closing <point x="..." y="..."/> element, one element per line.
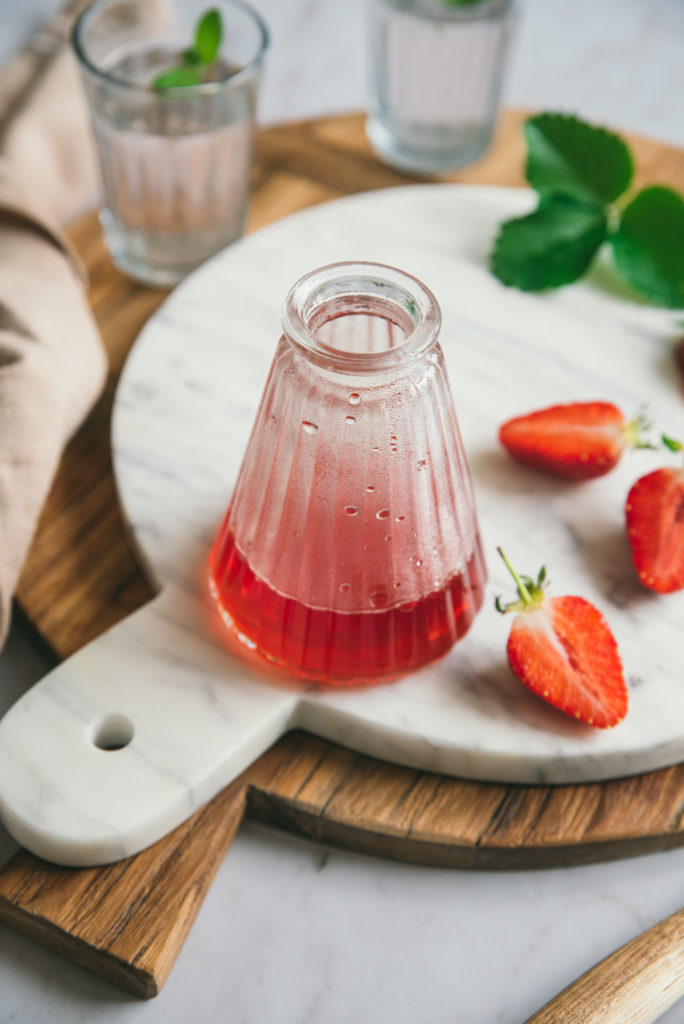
<point x="562" y="649"/>
<point x="578" y="441"/>
<point x="654" y="511"/>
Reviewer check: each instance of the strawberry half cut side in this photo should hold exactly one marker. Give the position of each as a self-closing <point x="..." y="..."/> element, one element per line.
<point x="578" y="441"/>
<point x="654" y="512"/>
<point x="562" y="649"/>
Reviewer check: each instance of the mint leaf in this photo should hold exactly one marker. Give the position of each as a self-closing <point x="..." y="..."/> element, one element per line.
<point x="550" y="247"/>
<point x="190" y="57"/>
<point x="567" y="156"/>
<point x="176" y="78"/>
<point x="649" y="245"/>
<point x="208" y="35"/>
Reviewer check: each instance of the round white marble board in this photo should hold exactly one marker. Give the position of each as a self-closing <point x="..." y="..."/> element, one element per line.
<point x="124" y="740"/>
<point x="188" y="397"/>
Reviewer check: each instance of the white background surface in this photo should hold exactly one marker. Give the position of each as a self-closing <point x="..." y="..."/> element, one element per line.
<point x="294" y="933"/>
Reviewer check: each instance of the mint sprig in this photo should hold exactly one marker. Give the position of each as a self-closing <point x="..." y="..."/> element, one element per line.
<point x="581" y="173"/>
<point x="199" y="57"/>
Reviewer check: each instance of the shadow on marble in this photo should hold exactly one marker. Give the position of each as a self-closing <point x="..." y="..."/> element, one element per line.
<point x="498" y="689"/>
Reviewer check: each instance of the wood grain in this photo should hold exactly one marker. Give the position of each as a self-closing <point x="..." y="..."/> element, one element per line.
<point x="128" y="921"/>
<point x="634" y="985"/>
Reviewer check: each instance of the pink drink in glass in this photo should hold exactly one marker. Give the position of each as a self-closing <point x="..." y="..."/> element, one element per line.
<point x="350" y="552"/>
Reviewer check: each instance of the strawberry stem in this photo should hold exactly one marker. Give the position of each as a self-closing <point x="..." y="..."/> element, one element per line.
<point x="522" y="589"/>
<point x="637" y="429"/>
<point x="531" y="592"/>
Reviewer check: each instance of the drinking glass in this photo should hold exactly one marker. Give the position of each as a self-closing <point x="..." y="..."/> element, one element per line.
<point x="436" y="70"/>
<point x="175" y="162"/>
<point x="350" y="551"/>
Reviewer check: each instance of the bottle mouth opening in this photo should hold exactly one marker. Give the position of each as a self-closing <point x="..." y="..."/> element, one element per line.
<point x="360" y="317"/>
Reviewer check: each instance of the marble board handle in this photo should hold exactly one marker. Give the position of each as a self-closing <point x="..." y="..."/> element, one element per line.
<point x="127" y="738"/>
<point x="634" y="985"/>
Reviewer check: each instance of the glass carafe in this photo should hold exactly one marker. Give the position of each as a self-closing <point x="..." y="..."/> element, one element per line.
<point x="350" y="551"/>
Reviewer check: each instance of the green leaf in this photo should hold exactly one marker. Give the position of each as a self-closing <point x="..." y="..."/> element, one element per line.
<point x="550" y="247"/>
<point x="671" y="443"/>
<point x="190" y="57"/>
<point x="567" y="156"/>
<point x="208" y="35"/>
<point x="649" y="245"/>
<point x="176" y="78"/>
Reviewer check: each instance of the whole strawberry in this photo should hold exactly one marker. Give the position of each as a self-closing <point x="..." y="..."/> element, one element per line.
<point x="562" y="649"/>
<point x="577" y="441"/>
<point x="654" y="511"/>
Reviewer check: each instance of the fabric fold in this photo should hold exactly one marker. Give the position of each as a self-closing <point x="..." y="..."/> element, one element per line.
<point x="52" y="362"/>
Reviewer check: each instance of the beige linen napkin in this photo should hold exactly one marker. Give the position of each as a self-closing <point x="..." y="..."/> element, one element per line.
<point x="52" y="363"/>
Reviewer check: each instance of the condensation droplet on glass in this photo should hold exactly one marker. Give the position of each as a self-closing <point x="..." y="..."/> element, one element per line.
<point x="378" y="599"/>
<point x="388" y="536"/>
<point x="422" y="464"/>
<point x="351" y="510"/>
<point x="345" y="588"/>
<point x="375" y="448"/>
<point x="354" y="398"/>
<point x="310" y="428"/>
<point x="418" y="563"/>
<point x="350" y="420"/>
<point x="384" y="513"/>
<point x="370" y="488"/>
<point x="400" y="519"/>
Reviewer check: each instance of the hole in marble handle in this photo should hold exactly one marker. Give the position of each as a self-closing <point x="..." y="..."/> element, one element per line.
<point x="114" y="732"/>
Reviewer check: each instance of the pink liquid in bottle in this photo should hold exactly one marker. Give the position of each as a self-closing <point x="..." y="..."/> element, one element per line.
<point x="344" y="647"/>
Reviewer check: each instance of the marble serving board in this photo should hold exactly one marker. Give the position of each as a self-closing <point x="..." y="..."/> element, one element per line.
<point x="132" y="734"/>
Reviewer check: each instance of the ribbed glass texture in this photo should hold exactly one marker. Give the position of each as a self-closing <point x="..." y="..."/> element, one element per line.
<point x="435" y="74"/>
<point x="350" y="551"/>
<point x="175" y="162"/>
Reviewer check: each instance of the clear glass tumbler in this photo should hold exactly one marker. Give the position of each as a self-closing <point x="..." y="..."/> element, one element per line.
<point x="175" y="162"/>
<point x="435" y="75"/>
<point x="350" y="551"/>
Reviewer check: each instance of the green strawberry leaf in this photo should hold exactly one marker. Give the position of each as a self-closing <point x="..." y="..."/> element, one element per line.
<point x="550" y="247"/>
<point x="567" y="156"/>
<point x="208" y="35"/>
<point x="649" y="245"/>
<point x="176" y="78"/>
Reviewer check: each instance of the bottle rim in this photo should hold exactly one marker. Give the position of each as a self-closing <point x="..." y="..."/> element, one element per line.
<point x="356" y="287"/>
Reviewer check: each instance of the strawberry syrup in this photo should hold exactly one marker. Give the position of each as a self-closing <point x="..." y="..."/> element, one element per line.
<point x="342" y="648"/>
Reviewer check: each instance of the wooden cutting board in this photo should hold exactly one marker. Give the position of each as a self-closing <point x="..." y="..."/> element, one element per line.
<point x="128" y="921"/>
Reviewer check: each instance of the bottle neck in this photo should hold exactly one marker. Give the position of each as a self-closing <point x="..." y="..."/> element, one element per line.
<point x="361" y="317"/>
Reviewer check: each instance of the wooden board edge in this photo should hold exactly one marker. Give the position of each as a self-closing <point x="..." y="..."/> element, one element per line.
<point x="289" y="816"/>
<point x="136" y="980"/>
